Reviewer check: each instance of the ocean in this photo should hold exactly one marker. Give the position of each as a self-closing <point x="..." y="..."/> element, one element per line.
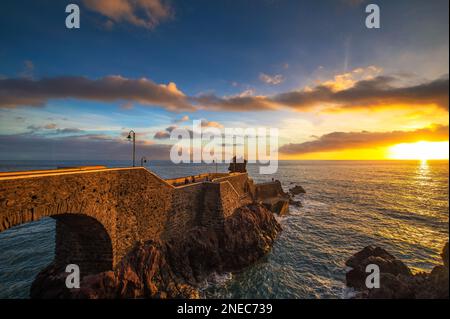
<point x="401" y="206"/>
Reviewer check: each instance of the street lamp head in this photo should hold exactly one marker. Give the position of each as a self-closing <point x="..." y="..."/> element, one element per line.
<point x="131" y="136"/>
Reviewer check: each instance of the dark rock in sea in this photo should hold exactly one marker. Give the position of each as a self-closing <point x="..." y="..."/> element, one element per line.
<point x="50" y="284"/>
<point x="396" y="279"/>
<point x="174" y="268"/>
<point x="277" y="205"/>
<point x="297" y="189"/>
<point x="295" y="203"/>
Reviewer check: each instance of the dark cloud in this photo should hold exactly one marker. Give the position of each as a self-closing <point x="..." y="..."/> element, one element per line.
<point x="143" y="13"/>
<point x="22" y="91"/>
<point x="52" y="128"/>
<point x="373" y="93"/>
<point x="354" y="140"/>
<point x="162" y="135"/>
<point x="85" y="147"/>
<point x="378" y="92"/>
<point x="68" y="130"/>
<point x="171" y="128"/>
<point x="235" y="103"/>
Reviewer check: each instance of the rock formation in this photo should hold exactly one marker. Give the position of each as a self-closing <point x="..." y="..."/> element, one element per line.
<point x="173" y="268"/>
<point x="396" y="279"/>
<point x="297" y="189"/>
<point x="272" y="196"/>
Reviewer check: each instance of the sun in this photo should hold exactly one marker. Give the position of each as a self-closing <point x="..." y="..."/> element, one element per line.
<point x="419" y="151"/>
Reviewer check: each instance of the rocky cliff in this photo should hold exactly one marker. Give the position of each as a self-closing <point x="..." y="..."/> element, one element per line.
<point x="173" y="268"/>
<point x="396" y="279"/>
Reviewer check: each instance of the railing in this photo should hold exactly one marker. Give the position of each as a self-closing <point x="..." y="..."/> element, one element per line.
<point x="185" y="180"/>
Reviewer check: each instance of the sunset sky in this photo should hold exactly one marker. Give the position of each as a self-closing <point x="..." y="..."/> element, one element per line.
<point x="333" y="88"/>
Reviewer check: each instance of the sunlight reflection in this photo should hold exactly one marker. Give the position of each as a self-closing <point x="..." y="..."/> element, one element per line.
<point x="423" y="170"/>
<point x="423" y="165"/>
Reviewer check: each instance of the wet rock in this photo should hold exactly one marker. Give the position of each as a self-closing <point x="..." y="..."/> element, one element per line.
<point x="373" y="255"/>
<point x="174" y="268"/>
<point x="396" y="279"/>
<point x="297" y="189"/>
<point x="393" y="287"/>
<point x="279" y="206"/>
<point x="50" y="283"/>
<point x="436" y="284"/>
<point x="295" y="203"/>
<point x="246" y="237"/>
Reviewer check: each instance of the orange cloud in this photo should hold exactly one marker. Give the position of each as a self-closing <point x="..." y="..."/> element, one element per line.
<point x="142" y="13"/>
<point x="346" y="93"/>
<point x="24" y="91"/>
<point x="346" y="80"/>
<point x="337" y="141"/>
<point x="206" y="123"/>
<point x="373" y="93"/>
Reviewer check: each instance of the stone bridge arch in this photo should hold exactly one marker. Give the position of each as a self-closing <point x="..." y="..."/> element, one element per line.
<point x="110" y="208"/>
<point x="82" y="240"/>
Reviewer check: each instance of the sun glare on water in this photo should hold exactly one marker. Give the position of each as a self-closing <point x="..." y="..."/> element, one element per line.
<point x="420" y="151"/>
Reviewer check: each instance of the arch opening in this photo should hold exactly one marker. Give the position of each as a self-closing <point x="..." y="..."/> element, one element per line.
<point x="59" y="240"/>
<point x="84" y="241"/>
<point x="81" y="240"/>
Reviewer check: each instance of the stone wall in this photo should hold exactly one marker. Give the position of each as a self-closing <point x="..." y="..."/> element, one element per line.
<point x="113" y="209"/>
<point x="211" y="215"/>
<point x="230" y="199"/>
<point x="185" y="210"/>
<point x="268" y="190"/>
<point x="238" y="180"/>
<point x="131" y="203"/>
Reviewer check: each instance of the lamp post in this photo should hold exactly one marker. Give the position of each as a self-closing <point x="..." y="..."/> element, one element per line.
<point x="134" y="145"/>
<point x="215" y="163"/>
<point x="143" y="160"/>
